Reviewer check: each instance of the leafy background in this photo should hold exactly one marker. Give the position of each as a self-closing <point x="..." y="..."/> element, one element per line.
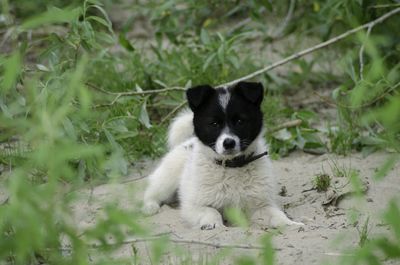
<point x="87" y="89"/>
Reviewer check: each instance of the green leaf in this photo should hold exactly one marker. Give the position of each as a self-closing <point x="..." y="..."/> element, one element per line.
<point x="356" y="183"/>
<point x="42" y="68"/>
<point x="283" y="135"/>
<point x="5" y="111"/>
<point x="208" y="61"/>
<point x="221" y="53"/>
<point x="12" y="69"/>
<point x="125" y="42"/>
<point x="111" y="139"/>
<point x="99" y="20"/>
<point x="138" y="88"/>
<point x="234" y="61"/>
<point x="158" y="248"/>
<point x="144" y="116"/>
<point x="205" y="38"/>
<point x="392" y="217"/>
<point x="387" y="166"/>
<point x="104" y="37"/>
<point x="245" y="260"/>
<point x="98" y="7"/>
<point x="161" y="83"/>
<point x="390" y="249"/>
<point x="69" y="129"/>
<point x="305" y="115"/>
<point x="268" y="252"/>
<point x="236" y="217"/>
<point x="188" y="84"/>
<point x="267" y="4"/>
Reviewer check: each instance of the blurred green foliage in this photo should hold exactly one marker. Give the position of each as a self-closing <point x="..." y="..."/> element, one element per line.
<point x="76" y="102"/>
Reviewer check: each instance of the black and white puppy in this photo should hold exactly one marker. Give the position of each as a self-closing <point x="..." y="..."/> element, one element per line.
<point x="218" y="159"/>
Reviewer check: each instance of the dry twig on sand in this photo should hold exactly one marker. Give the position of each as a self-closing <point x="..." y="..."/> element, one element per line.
<point x="184" y="241"/>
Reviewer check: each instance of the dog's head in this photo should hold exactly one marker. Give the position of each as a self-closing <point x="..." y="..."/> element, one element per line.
<point x="227" y="120"/>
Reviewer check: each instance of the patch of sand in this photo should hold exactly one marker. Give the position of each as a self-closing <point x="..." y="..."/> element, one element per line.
<point x="329" y="230"/>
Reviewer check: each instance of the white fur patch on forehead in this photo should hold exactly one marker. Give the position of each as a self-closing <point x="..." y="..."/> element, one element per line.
<point x="224" y="97"/>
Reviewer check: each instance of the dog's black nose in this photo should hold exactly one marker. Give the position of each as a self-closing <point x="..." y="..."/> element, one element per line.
<point x="229" y="143"/>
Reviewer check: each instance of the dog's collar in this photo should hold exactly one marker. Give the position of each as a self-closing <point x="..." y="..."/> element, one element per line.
<point x="240" y="161"/>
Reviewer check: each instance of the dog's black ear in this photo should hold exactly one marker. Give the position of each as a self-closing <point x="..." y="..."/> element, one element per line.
<point x="198" y="95"/>
<point x="252" y="91"/>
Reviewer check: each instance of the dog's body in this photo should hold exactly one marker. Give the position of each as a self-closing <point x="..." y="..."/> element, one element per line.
<point x="222" y="165"/>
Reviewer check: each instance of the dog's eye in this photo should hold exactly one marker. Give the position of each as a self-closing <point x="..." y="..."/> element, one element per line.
<point x="214" y="124"/>
<point x="238" y="121"/>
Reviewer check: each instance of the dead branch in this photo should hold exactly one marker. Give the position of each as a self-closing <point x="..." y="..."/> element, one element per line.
<point x="131" y="93"/>
<point x="176" y="241"/>
<point x="287" y="124"/>
<point x="314" y="48"/>
<point x="184" y="241"/>
<point x="107" y="104"/>
<point x="136" y="93"/>
<point x="172" y="112"/>
<point x="337" y="254"/>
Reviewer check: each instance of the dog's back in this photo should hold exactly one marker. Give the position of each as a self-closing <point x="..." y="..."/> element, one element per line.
<point x="181" y="129"/>
<point x="164" y="181"/>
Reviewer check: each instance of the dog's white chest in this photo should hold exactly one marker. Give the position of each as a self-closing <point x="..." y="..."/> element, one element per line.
<point x="221" y="187"/>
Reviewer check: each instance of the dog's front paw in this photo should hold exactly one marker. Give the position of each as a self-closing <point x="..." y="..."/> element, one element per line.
<point x="278" y="218"/>
<point x="272" y="217"/>
<point x="296" y="223"/>
<point x="211" y="219"/>
<point x="279" y="221"/>
<point x="150" y="208"/>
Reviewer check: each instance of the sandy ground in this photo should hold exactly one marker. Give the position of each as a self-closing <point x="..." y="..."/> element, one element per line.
<point x="332" y="219"/>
